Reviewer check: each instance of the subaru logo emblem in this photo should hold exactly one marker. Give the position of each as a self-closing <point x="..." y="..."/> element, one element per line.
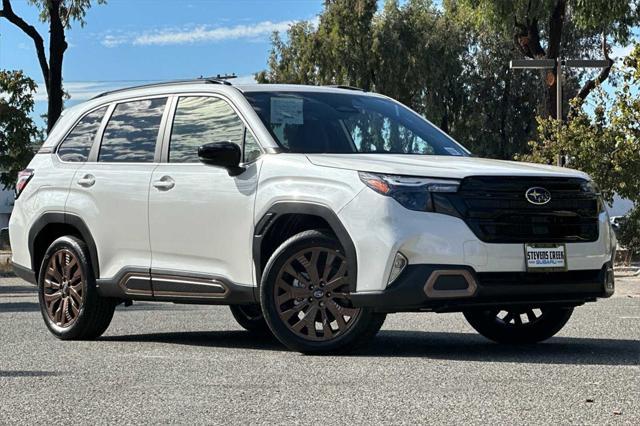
<point x="538" y="196"/>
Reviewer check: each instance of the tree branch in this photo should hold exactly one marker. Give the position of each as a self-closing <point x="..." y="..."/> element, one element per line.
<point x="604" y="74"/>
<point x="9" y="15"/>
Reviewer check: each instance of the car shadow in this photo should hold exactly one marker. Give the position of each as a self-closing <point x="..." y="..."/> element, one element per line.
<point x="430" y="345"/>
<point x="19" y="307"/>
<point x="218" y="339"/>
<point x="18" y="289"/>
<point x="473" y="347"/>
<point x="24" y="373"/>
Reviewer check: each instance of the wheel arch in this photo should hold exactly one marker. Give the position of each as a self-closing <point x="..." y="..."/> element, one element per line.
<point x="293" y="217"/>
<point x="52" y="225"/>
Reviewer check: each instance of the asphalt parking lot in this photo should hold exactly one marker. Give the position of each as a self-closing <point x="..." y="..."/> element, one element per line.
<point x="166" y="363"/>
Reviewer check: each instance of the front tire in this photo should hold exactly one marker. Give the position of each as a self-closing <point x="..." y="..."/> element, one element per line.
<point x="70" y="304"/>
<point x="519" y="325"/>
<point x="305" y="297"/>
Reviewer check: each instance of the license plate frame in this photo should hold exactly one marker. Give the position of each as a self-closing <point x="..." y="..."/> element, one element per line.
<point x="530" y="264"/>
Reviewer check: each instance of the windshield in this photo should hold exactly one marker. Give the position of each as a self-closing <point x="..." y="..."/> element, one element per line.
<point x="317" y="122"/>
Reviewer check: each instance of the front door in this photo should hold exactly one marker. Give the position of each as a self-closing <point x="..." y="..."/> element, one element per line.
<point x="200" y="217"/>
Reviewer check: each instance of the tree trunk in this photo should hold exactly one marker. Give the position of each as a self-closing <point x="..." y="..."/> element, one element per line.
<point x="57" y="47"/>
<point x="556" y="22"/>
<point x="527" y="39"/>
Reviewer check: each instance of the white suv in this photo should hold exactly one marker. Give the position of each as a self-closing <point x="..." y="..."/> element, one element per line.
<point x="311" y="211"/>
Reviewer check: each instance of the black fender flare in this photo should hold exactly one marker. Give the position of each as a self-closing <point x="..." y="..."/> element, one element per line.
<point x="63" y="218"/>
<point x="307" y="208"/>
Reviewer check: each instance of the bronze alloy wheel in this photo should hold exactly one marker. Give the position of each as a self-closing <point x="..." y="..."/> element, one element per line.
<point x="517" y="325"/>
<point x="519" y="317"/>
<point x="63" y="288"/>
<point x="312" y="294"/>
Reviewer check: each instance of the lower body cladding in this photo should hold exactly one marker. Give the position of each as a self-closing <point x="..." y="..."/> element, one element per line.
<point x="451" y="288"/>
<point x="175" y="286"/>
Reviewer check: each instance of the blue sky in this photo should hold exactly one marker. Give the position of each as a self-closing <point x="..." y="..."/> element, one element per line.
<point x="127" y="42"/>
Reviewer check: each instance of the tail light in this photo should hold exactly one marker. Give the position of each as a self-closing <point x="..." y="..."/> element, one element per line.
<point x="23" y="179"/>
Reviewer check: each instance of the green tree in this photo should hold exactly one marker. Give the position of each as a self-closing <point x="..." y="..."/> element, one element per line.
<point x="338" y="51"/>
<point x="293" y="61"/>
<point x="18" y="133"/>
<point x="398" y="51"/>
<point x="460" y="82"/>
<point x="59" y="14"/>
<point x="416" y="65"/>
<point x="558" y="28"/>
<point x="344" y="38"/>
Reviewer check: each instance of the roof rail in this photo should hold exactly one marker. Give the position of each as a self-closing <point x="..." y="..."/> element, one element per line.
<point x="219" y="79"/>
<point x="342" y="86"/>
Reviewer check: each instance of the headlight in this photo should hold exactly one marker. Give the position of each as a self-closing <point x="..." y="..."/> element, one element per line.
<point x="413" y="193"/>
<point x="590" y="187"/>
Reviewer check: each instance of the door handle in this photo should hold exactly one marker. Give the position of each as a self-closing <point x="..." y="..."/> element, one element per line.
<point x="165" y="183"/>
<point x="87" y="181"/>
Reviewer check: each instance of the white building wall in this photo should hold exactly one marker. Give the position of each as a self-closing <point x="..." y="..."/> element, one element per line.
<point x="620" y="206"/>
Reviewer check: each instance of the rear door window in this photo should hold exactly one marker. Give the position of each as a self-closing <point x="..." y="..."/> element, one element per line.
<point x="131" y="133"/>
<point x="77" y="144"/>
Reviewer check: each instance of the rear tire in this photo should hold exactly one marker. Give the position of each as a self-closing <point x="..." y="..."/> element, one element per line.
<point x="70" y="304"/>
<point x="305" y="297"/>
<point x="519" y="326"/>
<point x="250" y="318"/>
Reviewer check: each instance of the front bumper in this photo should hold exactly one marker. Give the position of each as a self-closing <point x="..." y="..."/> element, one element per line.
<point x="380" y="227"/>
<point x="442" y="288"/>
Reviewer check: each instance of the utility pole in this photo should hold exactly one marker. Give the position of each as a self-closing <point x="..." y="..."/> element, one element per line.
<point x="558" y="64"/>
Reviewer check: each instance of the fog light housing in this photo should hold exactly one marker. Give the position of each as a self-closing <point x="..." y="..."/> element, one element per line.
<point x="399" y="263"/>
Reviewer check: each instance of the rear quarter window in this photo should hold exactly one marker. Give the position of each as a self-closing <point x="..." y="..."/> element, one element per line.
<point x="78" y="143"/>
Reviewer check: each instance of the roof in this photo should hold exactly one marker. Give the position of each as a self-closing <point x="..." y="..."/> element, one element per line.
<point x="294" y="88"/>
<point x="225" y="81"/>
<point x="211" y="80"/>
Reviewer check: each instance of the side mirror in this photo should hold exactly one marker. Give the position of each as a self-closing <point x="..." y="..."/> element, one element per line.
<point x="222" y="154"/>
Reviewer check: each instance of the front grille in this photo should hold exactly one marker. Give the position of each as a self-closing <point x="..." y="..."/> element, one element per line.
<point x="497" y="211"/>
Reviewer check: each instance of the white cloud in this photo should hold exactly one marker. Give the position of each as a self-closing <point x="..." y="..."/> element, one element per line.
<point x="111" y="40"/>
<point x="195" y="34"/>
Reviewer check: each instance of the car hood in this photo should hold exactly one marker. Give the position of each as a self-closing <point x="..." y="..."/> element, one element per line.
<point x="438" y="165"/>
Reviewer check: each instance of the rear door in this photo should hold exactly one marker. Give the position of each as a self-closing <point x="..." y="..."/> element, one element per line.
<point x="200" y="218"/>
<point x="110" y="192"/>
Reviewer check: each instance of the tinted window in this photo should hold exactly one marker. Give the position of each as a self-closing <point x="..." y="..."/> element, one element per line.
<point x="316" y="122"/>
<point x="77" y="144"/>
<point x="251" y="148"/>
<point x="130" y="135"/>
<point x="200" y="120"/>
